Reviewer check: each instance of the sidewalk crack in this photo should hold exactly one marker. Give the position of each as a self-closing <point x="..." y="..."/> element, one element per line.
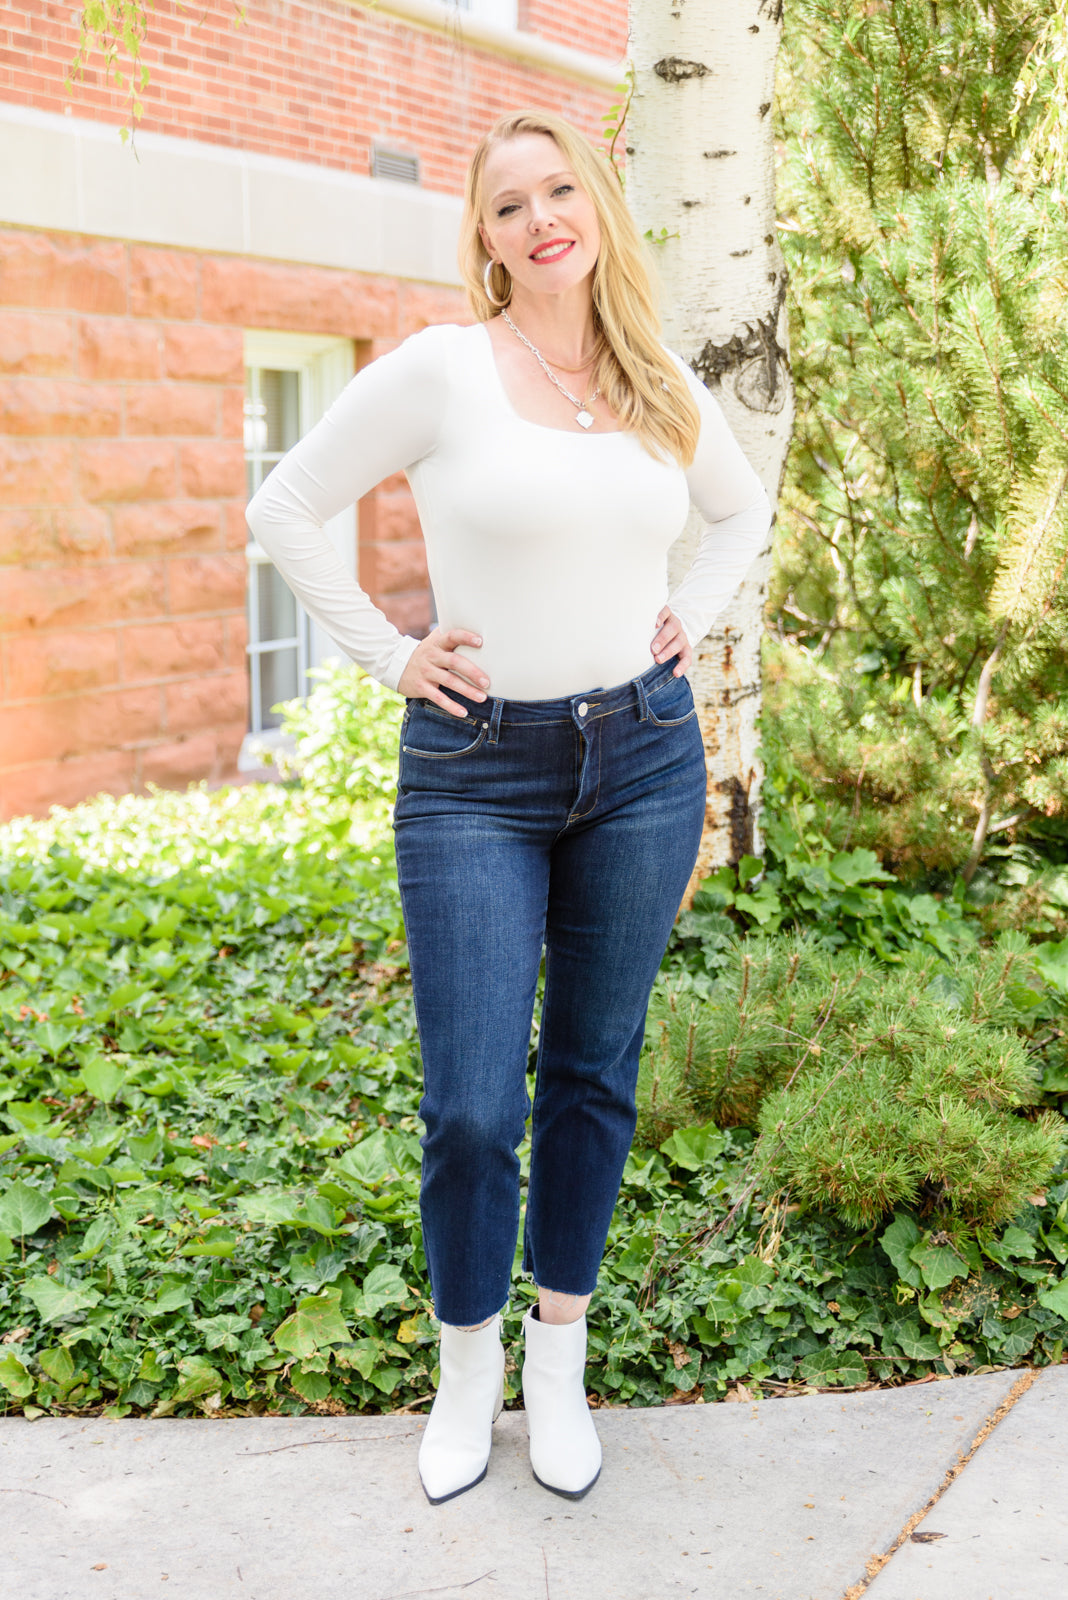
<point x="875" y="1564"/>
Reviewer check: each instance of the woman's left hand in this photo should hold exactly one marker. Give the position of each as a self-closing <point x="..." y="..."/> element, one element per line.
<point x="671" y="641"/>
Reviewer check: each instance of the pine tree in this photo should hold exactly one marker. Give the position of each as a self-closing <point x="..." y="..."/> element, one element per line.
<point x="919" y="677"/>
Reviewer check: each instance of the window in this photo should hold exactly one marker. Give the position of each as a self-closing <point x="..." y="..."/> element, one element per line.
<point x="500" y="11"/>
<point x="290" y="380"/>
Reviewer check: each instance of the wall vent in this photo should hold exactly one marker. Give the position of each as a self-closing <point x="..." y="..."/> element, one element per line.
<point x="394" y="164"/>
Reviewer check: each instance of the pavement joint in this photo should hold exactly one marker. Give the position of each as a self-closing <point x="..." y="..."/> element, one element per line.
<point x="877" y="1563"/>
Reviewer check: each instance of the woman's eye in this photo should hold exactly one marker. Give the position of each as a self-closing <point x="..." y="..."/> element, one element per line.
<point x="560" y="186"/>
<point x="505" y="210"/>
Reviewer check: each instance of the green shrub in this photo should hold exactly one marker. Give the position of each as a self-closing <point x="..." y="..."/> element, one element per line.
<point x="347" y="733"/>
<point x="870" y="1087"/>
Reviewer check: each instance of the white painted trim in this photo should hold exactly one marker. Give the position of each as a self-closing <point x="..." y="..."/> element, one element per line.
<point x="530" y="49"/>
<point x="71" y="175"/>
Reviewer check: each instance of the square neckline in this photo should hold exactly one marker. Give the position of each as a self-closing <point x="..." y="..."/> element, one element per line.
<point x="546" y="427"/>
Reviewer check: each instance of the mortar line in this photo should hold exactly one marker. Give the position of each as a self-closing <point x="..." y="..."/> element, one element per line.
<point x="875" y="1564"/>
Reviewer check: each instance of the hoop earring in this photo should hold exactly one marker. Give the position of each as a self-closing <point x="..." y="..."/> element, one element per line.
<point x="487" y="273"/>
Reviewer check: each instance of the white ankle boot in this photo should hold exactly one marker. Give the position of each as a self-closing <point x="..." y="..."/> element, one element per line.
<point x="565" y="1452"/>
<point x="454" y="1450"/>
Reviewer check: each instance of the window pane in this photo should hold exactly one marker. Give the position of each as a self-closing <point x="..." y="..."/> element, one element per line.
<point x="280" y="394"/>
<point x="278" y="609"/>
<point x="278" y="681"/>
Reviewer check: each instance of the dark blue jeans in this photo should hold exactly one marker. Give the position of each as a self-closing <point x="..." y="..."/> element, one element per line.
<point x="572" y="823"/>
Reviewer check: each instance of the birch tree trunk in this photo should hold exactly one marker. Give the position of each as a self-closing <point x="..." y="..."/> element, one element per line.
<point x="700" y="165"/>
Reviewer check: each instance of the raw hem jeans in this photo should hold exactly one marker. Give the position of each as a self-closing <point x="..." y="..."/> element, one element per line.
<point x="572" y="823"/>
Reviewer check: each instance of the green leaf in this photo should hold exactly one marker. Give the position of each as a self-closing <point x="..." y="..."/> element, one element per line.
<point x="1056" y="1299"/>
<point x="316" y="1322"/>
<point x="362" y="1354"/>
<point x="310" y="1386"/>
<point x="368" y="1162"/>
<point x="633" y="1260"/>
<point x="222" y="1332"/>
<point x="748" y="1284"/>
<point x="98" y="1232"/>
<point x="898" y="1241"/>
<point x="274" y="1207"/>
<point x="196" y="1377"/>
<point x="917" y="1346"/>
<point x="56" y="1302"/>
<point x="23" y="1209"/>
<point x="383" y="1286"/>
<point x="31" y="1115"/>
<point x="103" y="1078"/>
<point x="694" y="1148"/>
<point x="14" y="1376"/>
<point x="216" y="1242"/>
<point x="170" y="1298"/>
<point x="834" y="1368"/>
<point x="938" y="1264"/>
<point x="58" y="1363"/>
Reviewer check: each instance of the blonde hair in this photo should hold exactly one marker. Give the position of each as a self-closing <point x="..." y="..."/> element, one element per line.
<point x="641" y="382"/>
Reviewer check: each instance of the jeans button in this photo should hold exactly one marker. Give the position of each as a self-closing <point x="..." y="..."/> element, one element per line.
<point x="582" y="708"/>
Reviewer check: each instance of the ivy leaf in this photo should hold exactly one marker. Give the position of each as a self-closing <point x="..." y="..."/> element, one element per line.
<point x="382" y="1286"/>
<point x="23" y="1209"/>
<point x="14" y="1376"/>
<point x="939" y="1264"/>
<point x="196" y="1377"/>
<point x="694" y="1148"/>
<point x="103" y="1078"/>
<point x="898" y="1241"/>
<point x="905" y="1332"/>
<point x="216" y="1242"/>
<point x="316" y="1322"/>
<point x="56" y="1302"/>
<point x="837" y="1368"/>
<point x="748" y="1284"/>
<point x="1056" y="1299"/>
<point x="363" y="1355"/>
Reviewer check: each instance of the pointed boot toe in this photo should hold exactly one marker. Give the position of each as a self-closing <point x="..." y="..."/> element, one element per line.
<point x="455" y="1447"/>
<point x="565" y="1452"/>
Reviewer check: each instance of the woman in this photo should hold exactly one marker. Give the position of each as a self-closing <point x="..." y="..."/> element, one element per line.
<point x="552" y="781"/>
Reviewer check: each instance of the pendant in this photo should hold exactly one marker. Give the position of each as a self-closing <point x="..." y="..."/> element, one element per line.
<point x="584" y="419"/>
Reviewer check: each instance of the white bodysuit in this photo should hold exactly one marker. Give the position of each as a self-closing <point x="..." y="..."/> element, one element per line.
<point x="551" y="544"/>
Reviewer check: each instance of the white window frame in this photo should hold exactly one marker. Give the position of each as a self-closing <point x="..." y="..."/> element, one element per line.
<point x="503" y="12"/>
<point x="324" y="364"/>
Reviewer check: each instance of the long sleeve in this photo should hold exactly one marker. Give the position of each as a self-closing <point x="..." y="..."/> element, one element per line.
<point x="735" y="506"/>
<point x="386" y="418"/>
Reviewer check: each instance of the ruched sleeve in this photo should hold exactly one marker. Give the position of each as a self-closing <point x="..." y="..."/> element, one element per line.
<point x="737" y="512"/>
<point x="385" y="419"/>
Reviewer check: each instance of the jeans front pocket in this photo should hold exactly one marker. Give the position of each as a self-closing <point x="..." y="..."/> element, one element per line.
<point x="440" y="735"/>
<point x="672" y="703"/>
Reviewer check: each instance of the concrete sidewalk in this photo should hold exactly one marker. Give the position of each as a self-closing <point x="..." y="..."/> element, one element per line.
<point x="788" y="1499"/>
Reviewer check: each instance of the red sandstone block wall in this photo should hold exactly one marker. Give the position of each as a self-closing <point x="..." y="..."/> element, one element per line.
<point x="314" y="81"/>
<point x="122" y="531"/>
<point x="122" y="570"/>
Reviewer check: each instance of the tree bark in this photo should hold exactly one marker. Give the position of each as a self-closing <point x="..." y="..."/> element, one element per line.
<point x="701" y="165"/>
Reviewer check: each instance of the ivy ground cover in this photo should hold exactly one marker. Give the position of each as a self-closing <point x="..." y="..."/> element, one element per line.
<point x="209" y="1156"/>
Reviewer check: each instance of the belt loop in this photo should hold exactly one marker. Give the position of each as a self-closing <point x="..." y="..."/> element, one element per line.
<point x="643" y="703"/>
<point x="495" y="720"/>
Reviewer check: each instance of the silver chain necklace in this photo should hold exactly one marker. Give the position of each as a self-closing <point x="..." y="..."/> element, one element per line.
<point x="583" y="417"/>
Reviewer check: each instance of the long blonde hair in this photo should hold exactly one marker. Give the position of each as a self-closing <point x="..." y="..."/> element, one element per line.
<point x="638" y="379"/>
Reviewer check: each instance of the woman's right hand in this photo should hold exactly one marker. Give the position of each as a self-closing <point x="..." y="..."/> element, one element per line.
<point x="434" y="663"/>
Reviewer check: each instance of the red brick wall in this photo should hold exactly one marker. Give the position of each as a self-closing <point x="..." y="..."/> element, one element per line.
<point x="314" y="82"/>
<point x="122" y="531"/>
<point x="122" y="569"/>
